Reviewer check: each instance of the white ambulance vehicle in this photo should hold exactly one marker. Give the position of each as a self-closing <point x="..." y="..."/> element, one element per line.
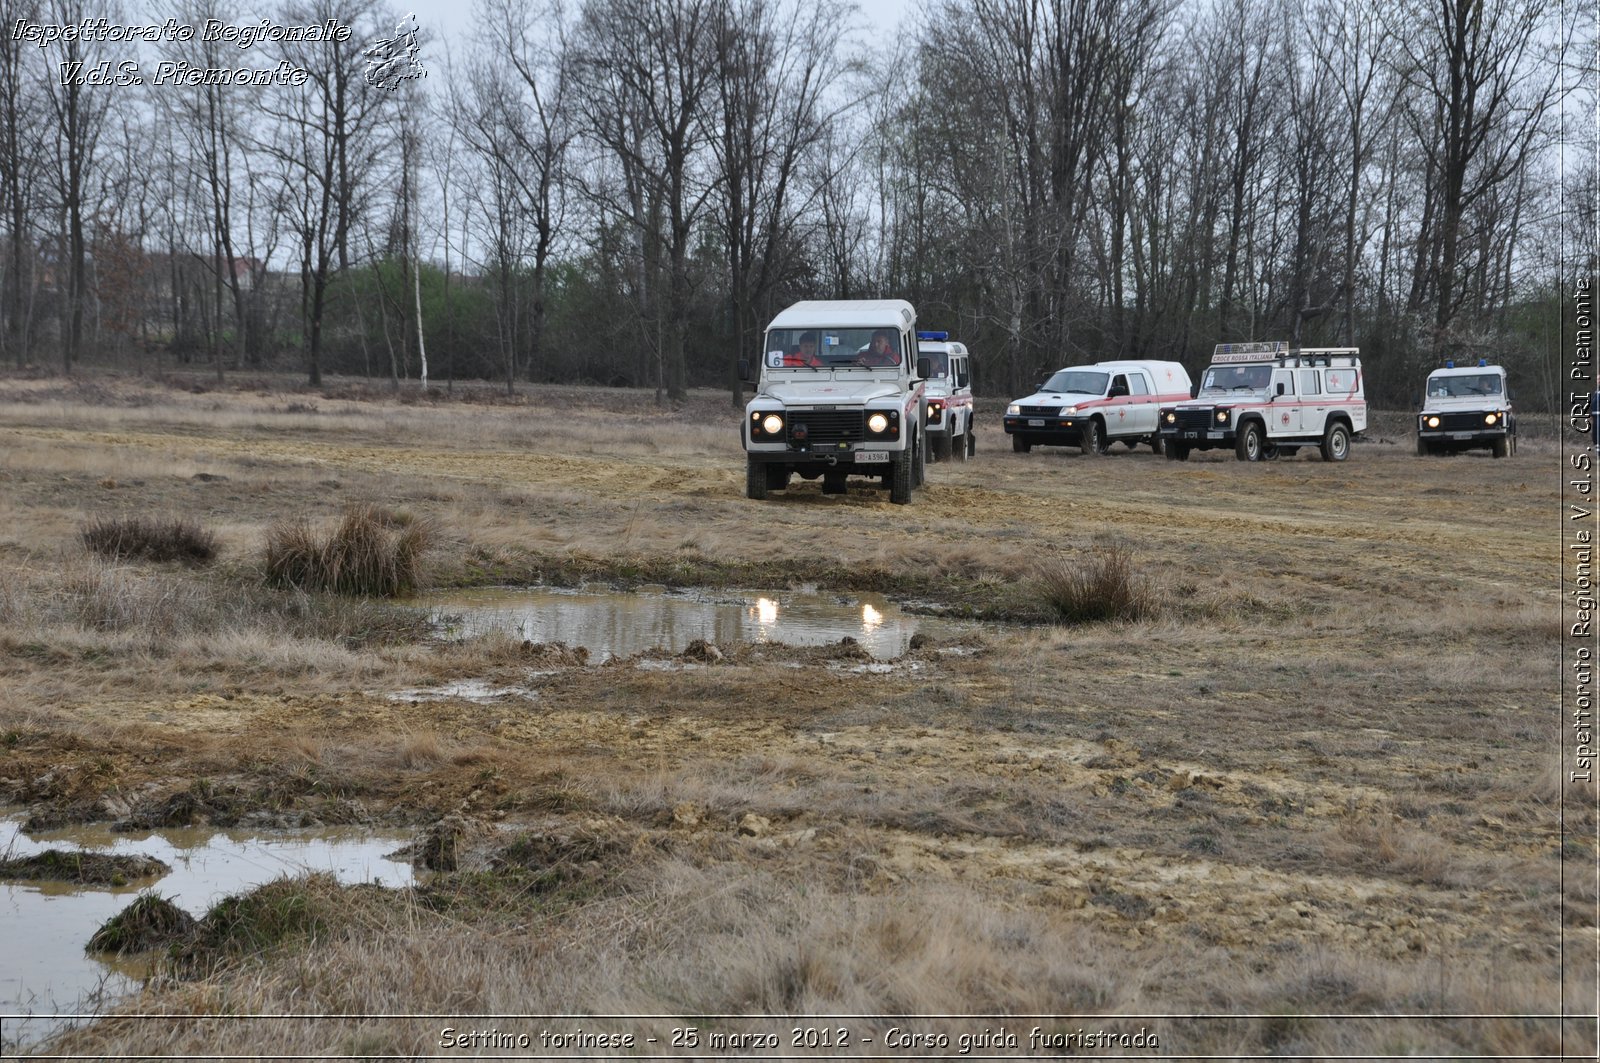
<point x="839" y="393"/>
<point x="1262" y="400"/>
<point x="1467" y="407"/>
<point x="949" y="397"/>
<point x="1092" y="406"/>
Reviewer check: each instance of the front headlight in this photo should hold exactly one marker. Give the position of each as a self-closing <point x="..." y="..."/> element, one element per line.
<point x="1222" y="416"/>
<point x="772" y="424"/>
<point x="877" y="424"/>
<point x="1490" y="418"/>
<point x="1067" y="411"/>
<point x="1013" y="410"/>
<point x="1171" y="417"/>
<point x="1433" y="422"/>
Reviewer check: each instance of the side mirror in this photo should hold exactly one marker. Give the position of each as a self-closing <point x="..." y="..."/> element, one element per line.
<point x="1117" y="392"/>
<point x="1280" y="389"/>
<point x="924" y="368"/>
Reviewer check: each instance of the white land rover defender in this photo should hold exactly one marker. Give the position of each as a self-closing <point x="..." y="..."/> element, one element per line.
<point x="949" y="397"/>
<point x="838" y="394"/>
<point x="1466" y="408"/>
<point x="1092" y="406"/>
<point x="1263" y="400"/>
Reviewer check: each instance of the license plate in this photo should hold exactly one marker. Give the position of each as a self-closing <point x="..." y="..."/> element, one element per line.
<point x="1036" y="424"/>
<point x="1191" y="435"/>
<point x="872" y="457"/>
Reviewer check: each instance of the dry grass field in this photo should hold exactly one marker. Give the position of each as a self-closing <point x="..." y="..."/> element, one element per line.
<point x="1317" y="776"/>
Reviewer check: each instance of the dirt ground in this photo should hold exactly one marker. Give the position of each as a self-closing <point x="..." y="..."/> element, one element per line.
<point x="1322" y="779"/>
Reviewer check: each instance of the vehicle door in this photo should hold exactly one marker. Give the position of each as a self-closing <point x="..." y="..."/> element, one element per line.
<point x="1283" y="411"/>
<point x="1313" y="403"/>
<point x="1142" y="408"/>
<point x="1117" y="408"/>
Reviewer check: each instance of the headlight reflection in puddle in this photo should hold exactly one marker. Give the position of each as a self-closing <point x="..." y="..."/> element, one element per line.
<point x="871" y="619"/>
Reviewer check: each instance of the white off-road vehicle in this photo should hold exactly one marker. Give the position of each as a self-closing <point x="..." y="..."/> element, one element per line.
<point x="839" y="393"/>
<point x="1092" y="406"/>
<point x="1263" y="400"/>
<point x="1466" y="408"/>
<point x="949" y="397"/>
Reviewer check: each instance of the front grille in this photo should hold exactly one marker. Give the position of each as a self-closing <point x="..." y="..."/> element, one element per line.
<point x="828" y="427"/>
<point x="1041" y="411"/>
<point x="1464" y="422"/>
<point x="1195" y="420"/>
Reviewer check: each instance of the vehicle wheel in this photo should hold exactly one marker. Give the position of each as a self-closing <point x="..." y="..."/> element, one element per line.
<point x="960" y="444"/>
<point x="777" y="477"/>
<point x="1020" y="444"/>
<point x="1155" y="444"/>
<point x="941" y="447"/>
<point x="972" y="441"/>
<point x="1248" y="446"/>
<point x="833" y="483"/>
<point x="919" y="461"/>
<point x="755" y="479"/>
<point x="900" y="477"/>
<point x="1502" y="448"/>
<point x="1177" y="451"/>
<point x="1094" y="438"/>
<point x="1336" y="442"/>
<point x="1424" y="448"/>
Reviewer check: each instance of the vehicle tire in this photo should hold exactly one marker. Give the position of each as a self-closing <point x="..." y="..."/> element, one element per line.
<point x="777" y="477"/>
<point x="972" y="441"/>
<point x="1248" y="444"/>
<point x="900" y="477"/>
<point x="941" y="447"/>
<point x="1094" y="438"/>
<point x="1177" y="451"/>
<point x="919" y="461"/>
<point x="1424" y="448"/>
<point x="1020" y="444"/>
<point x="1502" y="448"/>
<point x="1336" y="442"/>
<point x="1155" y="444"/>
<point x="833" y="483"/>
<point x="755" y="479"/>
<point x="959" y="445"/>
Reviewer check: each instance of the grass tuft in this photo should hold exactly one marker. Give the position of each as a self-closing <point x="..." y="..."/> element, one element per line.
<point x="149" y="539"/>
<point x="1102" y="586"/>
<point x="372" y="553"/>
<point x="149" y="922"/>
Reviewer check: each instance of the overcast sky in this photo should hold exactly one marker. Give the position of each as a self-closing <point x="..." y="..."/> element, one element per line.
<point x="451" y="20"/>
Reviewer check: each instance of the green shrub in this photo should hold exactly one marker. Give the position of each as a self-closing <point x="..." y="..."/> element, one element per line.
<point x="150" y="539"/>
<point x="1095" y="588"/>
<point x="372" y="552"/>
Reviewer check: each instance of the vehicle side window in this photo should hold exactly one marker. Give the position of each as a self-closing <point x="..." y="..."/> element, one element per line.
<point x="1137" y="385"/>
<point x="1341" y="381"/>
<point x="1118" y="381"/>
<point x="1309" y="385"/>
<point x="961" y="372"/>
<point x="1283" y="383"/>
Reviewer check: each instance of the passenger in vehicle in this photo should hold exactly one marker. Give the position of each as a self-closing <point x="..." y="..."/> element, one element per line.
<point x="804" y="353"/>
<point x="882" y="351"/>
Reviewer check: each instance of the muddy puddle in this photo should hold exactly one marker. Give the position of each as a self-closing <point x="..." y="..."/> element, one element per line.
<point x="46" y="975"/>
<point x="618" y="623"/>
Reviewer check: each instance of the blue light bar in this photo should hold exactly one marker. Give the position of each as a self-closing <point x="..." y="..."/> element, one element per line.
<point x="933" y="335"/>
<point x="1483" y="362"/>
<point x="1449" y="363"/>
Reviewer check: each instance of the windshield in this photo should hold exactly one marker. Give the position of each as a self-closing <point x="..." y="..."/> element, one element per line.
<point x="1237" y="378"/>
<point x="940" y="362"/>
<point x="832" y="348"/>
<point x="1078" y="380"/>
<point x="1456" y="387"/>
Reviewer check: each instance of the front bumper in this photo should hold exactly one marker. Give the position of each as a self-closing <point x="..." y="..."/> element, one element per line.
<point x="1047" y="430"/>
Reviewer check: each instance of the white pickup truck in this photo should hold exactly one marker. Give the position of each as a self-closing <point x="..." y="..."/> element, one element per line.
<point x="1092" y="406"/>
<point x="839" y="393"/>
